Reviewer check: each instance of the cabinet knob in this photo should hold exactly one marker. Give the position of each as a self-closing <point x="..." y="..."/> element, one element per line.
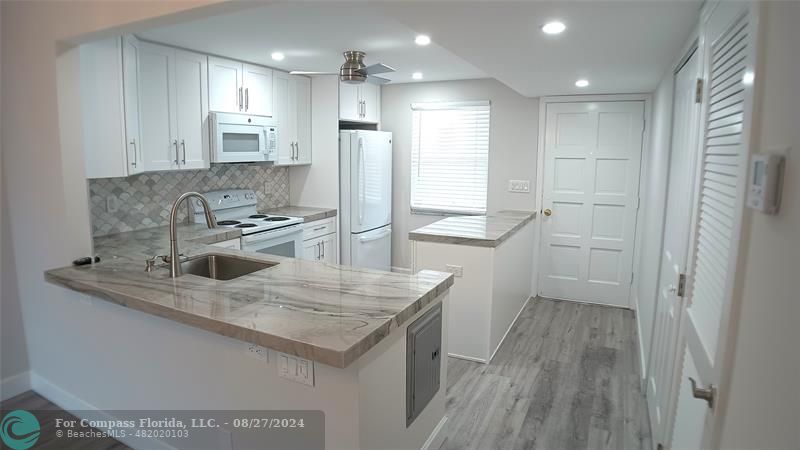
<point x="548" y="212"/>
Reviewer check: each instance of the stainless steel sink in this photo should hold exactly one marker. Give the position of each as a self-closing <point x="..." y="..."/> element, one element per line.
<point x="222" y="267"/>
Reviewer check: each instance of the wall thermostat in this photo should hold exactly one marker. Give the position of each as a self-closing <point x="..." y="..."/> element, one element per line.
<point x="766" y="179"/>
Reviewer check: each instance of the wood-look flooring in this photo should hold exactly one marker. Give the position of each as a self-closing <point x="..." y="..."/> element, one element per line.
<point x="566" y="377"/>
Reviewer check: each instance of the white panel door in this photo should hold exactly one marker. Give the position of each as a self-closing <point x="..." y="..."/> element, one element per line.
<point x="370" y="96"/>
<point x="303" y="122"/>
<point x="371" y="180"/>
<point x="677" y="228"/>
<point x="330" y="248"/>
<point x="157" y="96"/>
<point x="257" y="83"/>
<point x="312" y="249"/>
<point x="728" y="34"/>
<point x="225" y="85"/>
<point x="591" y="185"/>
<point x="349" y="102"/>
<point x="191" y="89"/>
<point x="130" y="84"/>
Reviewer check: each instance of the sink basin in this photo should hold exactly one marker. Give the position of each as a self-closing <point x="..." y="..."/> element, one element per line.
<point x="222" y="267"/>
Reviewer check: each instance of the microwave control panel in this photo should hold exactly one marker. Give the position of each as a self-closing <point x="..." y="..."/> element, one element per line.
<point x="271" y="144"/>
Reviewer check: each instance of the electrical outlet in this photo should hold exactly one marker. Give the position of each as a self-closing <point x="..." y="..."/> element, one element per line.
<point x="296" y="369"/>
<point x="258" y="352"/>
<point x="112" y="204"/>
<point x="458" y="271"/>
<point x="519" y="185"/>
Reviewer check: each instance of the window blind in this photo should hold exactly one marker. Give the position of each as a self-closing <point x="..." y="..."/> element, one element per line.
<point x="450" y="157"/>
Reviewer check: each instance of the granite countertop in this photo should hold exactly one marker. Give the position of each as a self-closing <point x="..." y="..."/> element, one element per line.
<point x="308" y="213"/>
<point x="477" y="231"/>
<point x="323" y="312"/>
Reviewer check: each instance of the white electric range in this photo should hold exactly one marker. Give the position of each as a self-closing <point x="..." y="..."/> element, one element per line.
<point x="261" y="233"/>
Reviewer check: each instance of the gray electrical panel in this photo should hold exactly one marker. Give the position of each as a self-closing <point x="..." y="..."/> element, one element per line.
<point x="423" y="361"/>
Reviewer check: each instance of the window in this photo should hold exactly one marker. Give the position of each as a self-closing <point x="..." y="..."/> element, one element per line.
<point x="450" y="157"/>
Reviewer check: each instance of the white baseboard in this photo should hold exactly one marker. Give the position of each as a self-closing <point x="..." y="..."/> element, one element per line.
<point x="468" y="358"/>
<point x="15" y="385"/>
<point x="85" y="410"/>
<point x="436" y="439"/>
<point x="642" y="359"/>
<point x="510" y="327"/>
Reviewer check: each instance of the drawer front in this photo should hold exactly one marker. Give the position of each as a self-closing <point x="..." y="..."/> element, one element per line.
<point x="319" y="228"/>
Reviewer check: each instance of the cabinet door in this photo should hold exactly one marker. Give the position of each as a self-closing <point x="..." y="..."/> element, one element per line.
<point x="157" y="96"/>
<point x="303" y="119"/>
<point x="257" y="90"/>
<point x="330" y="247"/>
<point x="311" y="250"/>
<point x="349" y="107"/>
<point x="130" y="86"/>
<point x="225" y="85"/>
<point x="191" y="89"/>
<point x="371" y="99"/>
<point x="286" y="137"/>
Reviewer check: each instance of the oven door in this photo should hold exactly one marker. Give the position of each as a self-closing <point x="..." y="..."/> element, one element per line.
<point x="286" y="242"/>
<point x="239" y="143"/>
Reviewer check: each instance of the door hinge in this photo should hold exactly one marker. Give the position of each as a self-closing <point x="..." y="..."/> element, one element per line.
<point x="681" y="285"/>
<point x="638" y="202"/>
<point x="632" y="274"/>
<point x="698" y="93"/>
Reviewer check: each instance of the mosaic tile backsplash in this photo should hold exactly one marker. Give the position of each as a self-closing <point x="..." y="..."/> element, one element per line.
<point x="144" y="200"/>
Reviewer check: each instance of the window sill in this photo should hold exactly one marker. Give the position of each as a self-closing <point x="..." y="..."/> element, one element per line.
<point x="433" y="212"/>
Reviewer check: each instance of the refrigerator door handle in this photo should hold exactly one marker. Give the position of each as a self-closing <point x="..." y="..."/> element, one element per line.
<point x="361" y="175"/>
<point x="380" y="236"/>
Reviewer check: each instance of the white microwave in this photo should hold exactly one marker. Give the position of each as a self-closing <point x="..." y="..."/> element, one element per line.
<point x="242" y="138"/>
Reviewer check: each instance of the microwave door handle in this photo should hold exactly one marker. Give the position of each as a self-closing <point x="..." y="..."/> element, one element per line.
<point x="360" y="175"/>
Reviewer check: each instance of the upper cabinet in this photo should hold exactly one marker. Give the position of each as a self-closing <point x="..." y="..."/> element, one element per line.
<point x="292" y="113"/>
<point x="173" y="113"/>
<point x="359" y="102"/>
<point x="237" y="87"/>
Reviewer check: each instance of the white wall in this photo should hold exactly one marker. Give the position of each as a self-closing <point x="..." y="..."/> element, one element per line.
<point x="41" y="177"/>
<point x="318" y="184"/>
<point x="653" y="193"/>
<point x="512" y="148"/>
<point x="762" y="397"/>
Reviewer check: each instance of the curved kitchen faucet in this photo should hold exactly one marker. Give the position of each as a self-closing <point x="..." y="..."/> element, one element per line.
<point x="174" y="255"/>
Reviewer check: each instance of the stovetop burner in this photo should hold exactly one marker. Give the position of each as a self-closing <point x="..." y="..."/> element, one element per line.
<point x="246" y="225"/>
<point x="228" y="222"/>
<point x="257" y="216"/>
<point x="275" y="219"/>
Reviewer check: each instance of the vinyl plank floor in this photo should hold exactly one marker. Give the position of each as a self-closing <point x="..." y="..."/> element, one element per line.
<point x="566" y="377"/>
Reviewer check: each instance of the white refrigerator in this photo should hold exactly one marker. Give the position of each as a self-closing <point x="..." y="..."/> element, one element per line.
<point x="365" y="175"/>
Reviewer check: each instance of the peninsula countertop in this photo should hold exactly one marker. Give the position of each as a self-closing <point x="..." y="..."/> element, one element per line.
<point x="477" y="231"/>
<point x="308" y="213"/>
<point x="323" y="312"/>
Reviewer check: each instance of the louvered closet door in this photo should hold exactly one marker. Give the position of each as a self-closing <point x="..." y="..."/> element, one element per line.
<point x="728" y="58"/>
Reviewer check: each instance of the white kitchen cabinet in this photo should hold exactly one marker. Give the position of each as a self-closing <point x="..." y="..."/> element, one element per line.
<point x="173" y="116"/>
<point x="359" y="102"/>
<point x="292" y="113"/>
<point x="320" y="241"/>
<point x="237" y="87"/>
<point x="110" y="122"/>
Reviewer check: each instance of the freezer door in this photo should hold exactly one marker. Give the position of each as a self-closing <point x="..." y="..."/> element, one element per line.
<point x="372" y="249"/>
<point x="370" y="180"/>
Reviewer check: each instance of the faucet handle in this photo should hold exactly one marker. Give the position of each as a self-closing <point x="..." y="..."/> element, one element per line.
<point x="150" y="263"/>
<point x="167" y="258"/>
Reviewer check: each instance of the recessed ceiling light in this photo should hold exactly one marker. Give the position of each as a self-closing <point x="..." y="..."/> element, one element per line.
<point x="582" y="83"/>
<point x="278" y="56"/>
<point x="422" y="39"/>
<point x="416" y="75"/>
<point x="748" y="78"/>
<point x="554" y="27"/>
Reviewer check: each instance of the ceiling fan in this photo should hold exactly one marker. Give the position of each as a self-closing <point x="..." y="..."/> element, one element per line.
<point x="354" y="71"/>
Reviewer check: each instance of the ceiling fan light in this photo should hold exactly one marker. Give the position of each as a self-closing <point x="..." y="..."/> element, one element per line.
<point x="554" y="27"/>
<point x="422" y="40"/>
<point x="351" y="72"/>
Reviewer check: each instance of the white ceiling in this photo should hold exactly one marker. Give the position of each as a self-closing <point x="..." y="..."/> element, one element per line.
<point x="619" y="46"/>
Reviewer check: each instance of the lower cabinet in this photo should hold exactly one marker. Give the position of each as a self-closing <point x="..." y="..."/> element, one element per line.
<point x="320" y="241"/>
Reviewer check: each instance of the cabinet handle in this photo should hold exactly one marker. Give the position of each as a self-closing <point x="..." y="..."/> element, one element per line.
<point x="323" y="248"/>
<point x="319" y="228"/>
<point x="318" y="251"/>
<point x="246" y="99"/>
<point x="240" y="99"/>
<point x="183" y="146"/>
<point x="177" y="156"/>
<point x="297" y="150"/>
<point x="133" y="143"/>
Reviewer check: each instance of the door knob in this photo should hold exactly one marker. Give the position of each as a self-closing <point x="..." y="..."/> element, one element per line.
<point x="548" y="212"/>
<point x="708" y="394"/>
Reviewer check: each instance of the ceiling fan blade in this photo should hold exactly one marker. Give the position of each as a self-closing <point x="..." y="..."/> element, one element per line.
<point x="306" y="72"/>
<point x="377" y="80"/>
<point x="377" y="68"/>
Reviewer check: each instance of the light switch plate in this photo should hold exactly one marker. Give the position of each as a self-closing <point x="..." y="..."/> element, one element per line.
<point x="297" y="369"/>
<point x="519" y="185"/>
<point x="458" y="271"/>
<point x="257" y="352"/>
<point x="112" y="204"/>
